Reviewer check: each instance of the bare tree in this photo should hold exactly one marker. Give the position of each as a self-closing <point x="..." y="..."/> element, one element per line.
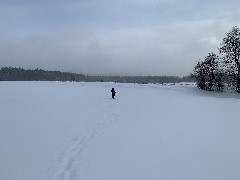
<point x="230" y="49"/>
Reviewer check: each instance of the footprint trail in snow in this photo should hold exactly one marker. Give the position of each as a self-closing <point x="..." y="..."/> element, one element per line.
<point x="68" y="165"/>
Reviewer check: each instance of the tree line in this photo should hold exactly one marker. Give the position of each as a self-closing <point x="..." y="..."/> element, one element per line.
<point x="215" y="72"/>
<point x="20" y="74"/>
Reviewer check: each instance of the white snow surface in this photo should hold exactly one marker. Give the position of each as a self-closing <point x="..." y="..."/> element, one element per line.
<point x="75" y="131"/>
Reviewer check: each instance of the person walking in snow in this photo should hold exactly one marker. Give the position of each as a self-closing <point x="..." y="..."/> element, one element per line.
<point x="113" y="93"/>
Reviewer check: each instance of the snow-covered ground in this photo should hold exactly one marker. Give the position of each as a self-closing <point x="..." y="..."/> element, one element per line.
<point x="75" y="131"/>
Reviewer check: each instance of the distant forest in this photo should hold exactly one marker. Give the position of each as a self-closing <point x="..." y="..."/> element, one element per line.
<point x="20" y="74"/>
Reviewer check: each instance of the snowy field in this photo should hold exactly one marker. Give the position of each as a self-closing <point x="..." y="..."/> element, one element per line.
<point x="75" y="131"/>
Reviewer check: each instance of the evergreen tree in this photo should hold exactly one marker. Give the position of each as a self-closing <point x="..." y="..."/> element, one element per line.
<point x="211" y="63"/>
<point x="200" y="75"/>
<point x="207" y="73"/>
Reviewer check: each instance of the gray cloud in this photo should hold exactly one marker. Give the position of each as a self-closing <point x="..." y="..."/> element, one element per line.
<point x="91" y="42"/>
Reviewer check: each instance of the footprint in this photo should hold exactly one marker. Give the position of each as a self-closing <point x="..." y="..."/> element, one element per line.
<point x="67" y="161"/>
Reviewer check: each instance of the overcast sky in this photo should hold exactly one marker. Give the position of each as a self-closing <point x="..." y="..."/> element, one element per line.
<point x="117" y="37"/>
